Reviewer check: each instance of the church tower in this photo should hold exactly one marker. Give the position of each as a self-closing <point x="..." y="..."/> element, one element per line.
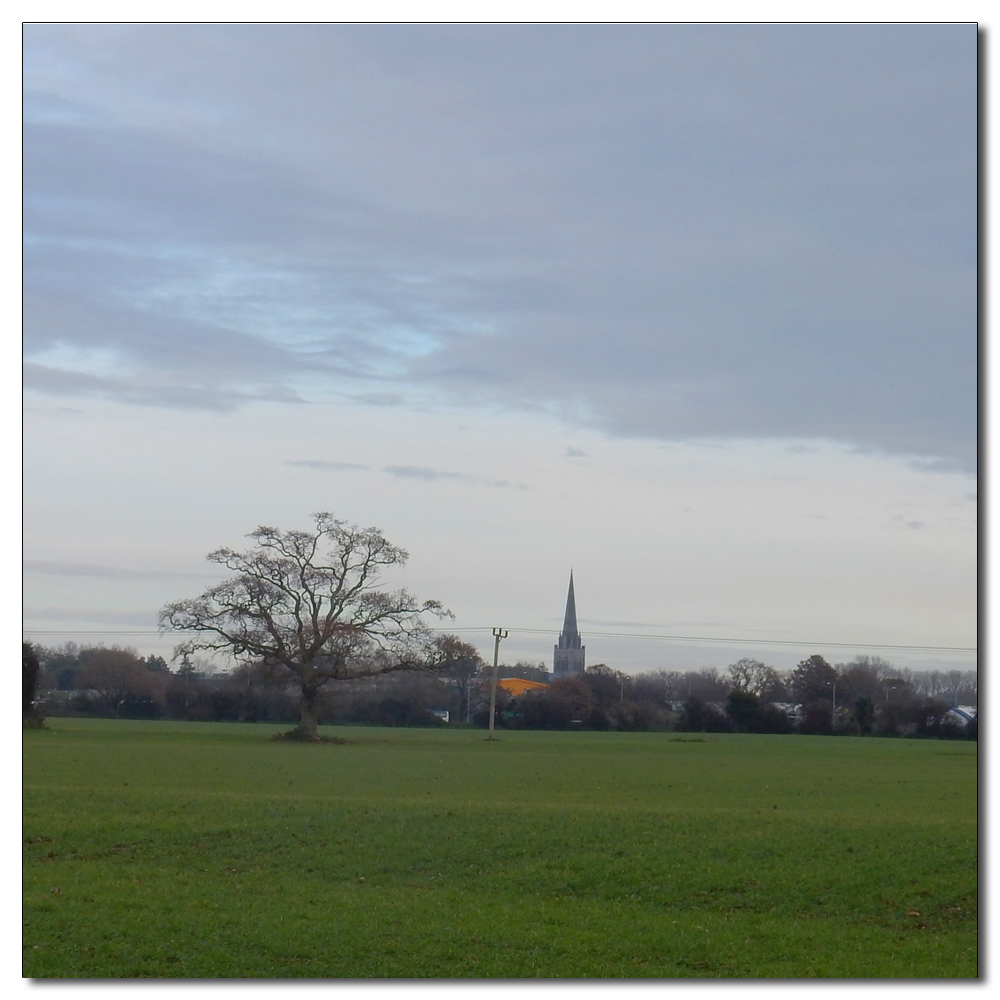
<point x="568" y="658"/>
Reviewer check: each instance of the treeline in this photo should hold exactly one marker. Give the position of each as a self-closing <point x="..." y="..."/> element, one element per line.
<point x="866" y="696"/>
<point x="115" y="682"/>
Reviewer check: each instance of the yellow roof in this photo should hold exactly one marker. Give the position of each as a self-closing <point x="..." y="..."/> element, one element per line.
<point x="518" y="685"/>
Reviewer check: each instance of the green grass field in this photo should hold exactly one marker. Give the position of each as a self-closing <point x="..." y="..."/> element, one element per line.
<point x="157" y="849"/>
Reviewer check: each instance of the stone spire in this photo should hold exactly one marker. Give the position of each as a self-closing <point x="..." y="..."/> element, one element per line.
<point x="569" y="654"/>
<point x="569" y="631"/>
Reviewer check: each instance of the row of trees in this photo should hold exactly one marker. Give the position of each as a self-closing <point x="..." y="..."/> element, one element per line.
<point x="116" y="682"/>
<point x="866" y="696"/>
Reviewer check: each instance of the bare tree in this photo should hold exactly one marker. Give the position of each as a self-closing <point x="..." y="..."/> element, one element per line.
<point x="465" y="663"/>
<point x="659" y="687"/>
<point x="706" y="684"/>
<point x="117" y="676"/>
<point x="954" y="686"/>
<point x="756" y="678"/>
<point x="308" y="604"/>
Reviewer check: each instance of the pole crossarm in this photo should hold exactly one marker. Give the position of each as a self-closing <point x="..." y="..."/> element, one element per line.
<point x="498" y="634"/>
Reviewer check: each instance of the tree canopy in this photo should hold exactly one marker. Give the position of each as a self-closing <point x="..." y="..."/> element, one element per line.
<point x="813" y="679"/>
<point x="755" y="678"/>
<point x="311" y="605"/>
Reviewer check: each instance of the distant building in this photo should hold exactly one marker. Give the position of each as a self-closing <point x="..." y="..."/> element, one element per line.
<point x="569" y="654"/>
<point x="963" y="713"/>
<point x="518" y="685"/>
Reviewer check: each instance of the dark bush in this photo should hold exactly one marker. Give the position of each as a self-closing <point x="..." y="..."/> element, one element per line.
<point x="700" y="716"/>
<point x="642" y="716"/>
<point x="742" y="708"/>
<point x="816" y="718"/>
<point x="771" y="719"/>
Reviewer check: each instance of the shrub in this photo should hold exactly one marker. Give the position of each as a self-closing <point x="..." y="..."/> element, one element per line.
<point x="700" y="716"/>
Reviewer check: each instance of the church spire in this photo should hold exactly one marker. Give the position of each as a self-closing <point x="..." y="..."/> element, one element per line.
<point x="568" y="655"/>
<point x="569" y="623"/>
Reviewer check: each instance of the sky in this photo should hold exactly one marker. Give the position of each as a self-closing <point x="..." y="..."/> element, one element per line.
<point x="687" y="308"/>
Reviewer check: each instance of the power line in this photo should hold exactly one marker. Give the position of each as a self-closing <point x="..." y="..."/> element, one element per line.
<point x="601" y="635"/>
<point x="759" y="642"/>
<point x="90" y="631"/>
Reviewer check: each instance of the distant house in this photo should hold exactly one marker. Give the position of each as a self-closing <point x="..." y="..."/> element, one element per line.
<point x="518" y="685"/>
<point x="962" y="713"/>
<point x="791" y="709"/>
<point x="441" y="713"/>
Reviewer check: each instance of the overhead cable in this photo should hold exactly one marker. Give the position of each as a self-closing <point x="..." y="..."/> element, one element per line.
<point x="601" y="635"/>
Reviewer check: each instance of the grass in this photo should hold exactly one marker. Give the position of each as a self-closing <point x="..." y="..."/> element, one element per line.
<point x="206" y="851"/>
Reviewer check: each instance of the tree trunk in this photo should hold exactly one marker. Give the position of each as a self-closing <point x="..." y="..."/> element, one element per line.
<point x="309" y="721"/>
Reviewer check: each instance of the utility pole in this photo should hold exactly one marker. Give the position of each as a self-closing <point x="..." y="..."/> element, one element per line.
<point x="498" y="634"/>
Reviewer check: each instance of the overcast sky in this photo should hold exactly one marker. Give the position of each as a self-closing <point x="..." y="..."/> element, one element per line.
<point x="689" y="308"/>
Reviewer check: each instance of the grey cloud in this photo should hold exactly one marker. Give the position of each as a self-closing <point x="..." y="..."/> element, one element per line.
<point x="575" y="453"/>
<point x="321" y="466"/>
<point x="136" y="392"/>
<point x="430" y="475"/>
<point x="47" y="568"/>
<point x="420" y="472"/>
<point x="50" y="109"/>
<point x="203" y="268"/>
<point x="142" y="358"/>
<point x="899" y="520"/>
<point x="52" y="410"/>
<point x="676" y="231"/>
<point x="937" y="464"/>
<point x="61" y="382"/>
<point x="125" y="181"/>
<point x="379" y="398"/>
